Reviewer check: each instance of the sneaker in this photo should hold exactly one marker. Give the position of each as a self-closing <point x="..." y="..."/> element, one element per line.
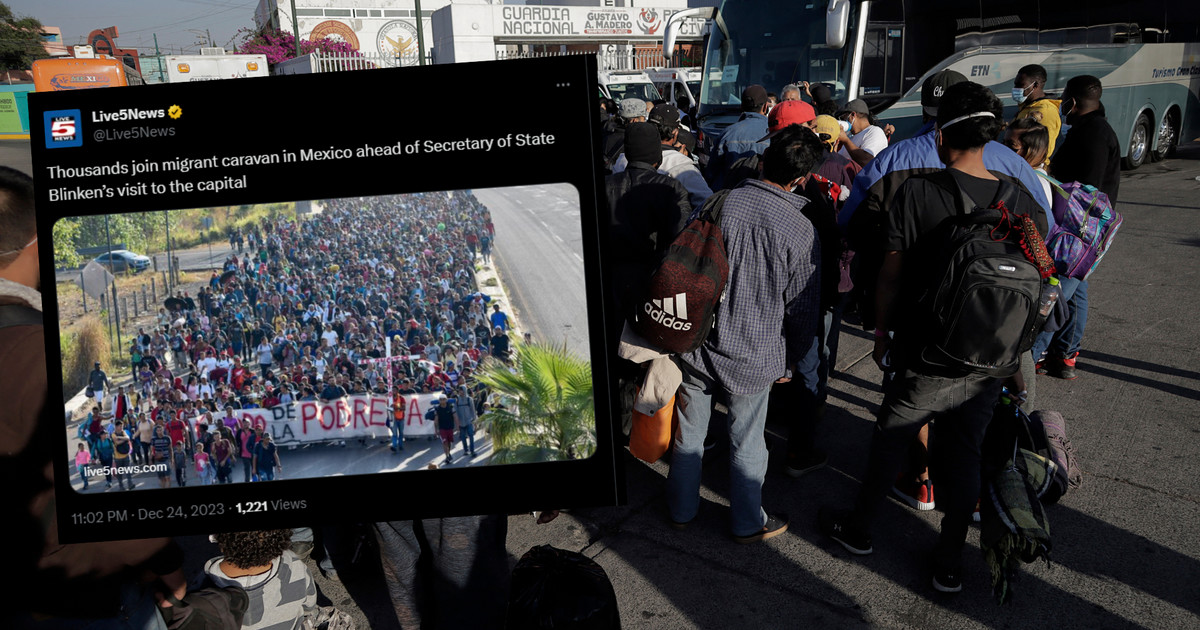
<point x="814" y="459"/>
<point x="1040" y="367"/>
<point x="775" y="526"/>
<point x="917" y="494"/>
<point x="975" y="515"/>
<point x="836" y="526"/>
<point x="947" y="582"/>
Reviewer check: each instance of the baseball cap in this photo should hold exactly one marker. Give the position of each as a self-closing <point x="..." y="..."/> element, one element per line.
<point x="820" y="92"/>
<point x="753" y="98"/>
<point x="788" y="113"/>
<point x="828" y="126"/>
<point x="665" y="115"/>
<point x="688" y="140"/>
<point x="933" y="88"/>
<point x="857" y="106"/>
<point x="633" y="108"/>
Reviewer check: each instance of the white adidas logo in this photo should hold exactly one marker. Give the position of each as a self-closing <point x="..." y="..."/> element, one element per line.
<point x="670" y="312"/>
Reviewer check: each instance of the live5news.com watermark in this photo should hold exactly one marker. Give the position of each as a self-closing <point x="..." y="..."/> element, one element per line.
<point x="383" y="238"/>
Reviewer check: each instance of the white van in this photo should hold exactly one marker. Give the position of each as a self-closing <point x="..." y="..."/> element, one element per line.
<point x="678" y="86"/>
<point x="623" y="84"/>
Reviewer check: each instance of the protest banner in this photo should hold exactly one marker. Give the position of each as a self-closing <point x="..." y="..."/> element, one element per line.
<point x="351" y="417"/>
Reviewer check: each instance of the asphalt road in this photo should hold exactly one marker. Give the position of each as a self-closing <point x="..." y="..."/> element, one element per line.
<point x="539" y="254"/>
<point x="370" y="456"/>
<point x="196" y="259"/>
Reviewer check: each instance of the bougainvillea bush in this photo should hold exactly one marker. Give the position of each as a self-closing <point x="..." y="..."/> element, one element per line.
<point x="280" y="45"/>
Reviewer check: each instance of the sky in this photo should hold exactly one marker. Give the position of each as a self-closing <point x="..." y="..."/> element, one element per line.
<point x="138" y="20"/>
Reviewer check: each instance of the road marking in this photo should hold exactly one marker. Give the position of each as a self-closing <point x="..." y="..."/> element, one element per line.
<point x="544" y="224"/>
<point x="558" y="238"/>
<point x="576" y="254"/>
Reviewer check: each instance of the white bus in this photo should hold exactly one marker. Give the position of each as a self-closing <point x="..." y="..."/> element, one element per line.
<point x="1146" y="54"/>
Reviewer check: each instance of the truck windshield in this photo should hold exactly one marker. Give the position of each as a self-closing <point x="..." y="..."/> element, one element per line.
<point x="644" y="91"/>
<point x="771" y="43"/>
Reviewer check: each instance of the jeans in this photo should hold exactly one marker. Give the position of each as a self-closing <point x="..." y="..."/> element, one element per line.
<point x="964" y="408"/>
<point x="247" y="467"/>
<point x="398" y="434"/>
<point x="266" y="473"/>
<point x="747" y="452"/>
<point x="467" y="434"/>
<point x="83" y="475"/>
<point x="1067" y="340"/>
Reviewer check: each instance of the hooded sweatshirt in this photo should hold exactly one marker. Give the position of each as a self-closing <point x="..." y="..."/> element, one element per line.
<point x="278" y="598"/>
<point x="1045" y="111"/>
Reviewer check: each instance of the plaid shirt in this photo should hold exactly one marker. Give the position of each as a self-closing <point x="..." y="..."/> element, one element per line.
<point x="772" y="300"/>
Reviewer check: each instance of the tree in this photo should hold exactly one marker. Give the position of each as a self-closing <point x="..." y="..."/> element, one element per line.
<point x="20" y="40"/>
<point x="549" y="412"/>
<point x="65" y="232"/>
<point x="279" y="45"/>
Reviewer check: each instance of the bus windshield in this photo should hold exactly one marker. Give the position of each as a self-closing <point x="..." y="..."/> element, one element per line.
<point x="771" y="43"/>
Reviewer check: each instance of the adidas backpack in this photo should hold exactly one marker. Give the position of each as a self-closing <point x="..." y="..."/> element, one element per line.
<point x="682" y="294"/>
<point x="1084" y="227"/>
<point x="981" y="312"/>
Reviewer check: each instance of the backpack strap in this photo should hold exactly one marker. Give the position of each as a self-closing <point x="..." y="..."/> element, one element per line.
<point x="710" y="211"/>
<point x="19" y="315"/>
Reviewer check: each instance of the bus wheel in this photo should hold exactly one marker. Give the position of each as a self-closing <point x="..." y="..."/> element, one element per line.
<point x="1139" y="144"/>
<point x="1168" y="137"/>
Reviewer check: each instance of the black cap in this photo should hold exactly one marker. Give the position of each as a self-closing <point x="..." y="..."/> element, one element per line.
<point x="687" y="140"/>
<point x="820" y="92"/>
<point x="933" y="88"/>
<point x="753" y="98"/>
<point x="642" y="143"/>
<point x="665" y="115"/>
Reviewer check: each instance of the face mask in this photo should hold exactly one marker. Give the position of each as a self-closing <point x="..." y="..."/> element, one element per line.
<point x="1018" y="95"/>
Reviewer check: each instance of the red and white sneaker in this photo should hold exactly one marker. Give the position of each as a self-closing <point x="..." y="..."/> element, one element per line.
<point x="917" y="494"/>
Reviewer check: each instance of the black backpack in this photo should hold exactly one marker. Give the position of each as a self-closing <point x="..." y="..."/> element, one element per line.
<point x="680" y="304"/>
<point x="981" y="311"/>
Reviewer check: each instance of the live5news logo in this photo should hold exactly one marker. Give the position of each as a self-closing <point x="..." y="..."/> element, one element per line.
<point x="64" y="128"/>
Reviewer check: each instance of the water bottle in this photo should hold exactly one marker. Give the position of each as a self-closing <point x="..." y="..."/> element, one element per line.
<point x="1049" y="297"/>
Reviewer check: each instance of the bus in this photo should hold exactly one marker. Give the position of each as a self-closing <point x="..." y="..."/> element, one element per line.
<point x="70" y="73"/>
<point x="1146" y="54"/>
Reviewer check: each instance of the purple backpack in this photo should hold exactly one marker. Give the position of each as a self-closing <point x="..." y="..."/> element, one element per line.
<point x="1085" y="225"/>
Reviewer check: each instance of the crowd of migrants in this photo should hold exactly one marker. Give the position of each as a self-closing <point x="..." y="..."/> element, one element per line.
<point x="297" y="316"/>
<point x="825" y="218"/>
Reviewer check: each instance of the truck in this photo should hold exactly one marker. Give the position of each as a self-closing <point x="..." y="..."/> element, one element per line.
<point x="184" y="68"/>
<point x="623" y="84"/>
<point x="678" y="86"/>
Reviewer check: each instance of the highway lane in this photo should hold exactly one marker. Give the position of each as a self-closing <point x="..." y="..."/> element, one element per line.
<point x="539" y="255"/>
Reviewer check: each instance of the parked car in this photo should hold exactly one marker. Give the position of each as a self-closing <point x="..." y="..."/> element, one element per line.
<point x="122" y="260"/>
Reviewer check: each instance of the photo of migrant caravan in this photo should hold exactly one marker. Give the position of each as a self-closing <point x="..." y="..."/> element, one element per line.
<point x="248" y="344"/>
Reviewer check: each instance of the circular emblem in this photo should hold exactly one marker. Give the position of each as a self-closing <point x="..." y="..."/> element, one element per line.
<point x="335" y="30"/>
<point x="397" y="43"/>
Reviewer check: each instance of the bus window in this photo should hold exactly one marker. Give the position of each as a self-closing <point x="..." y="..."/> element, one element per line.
<point x="1010" y="23"/>
<point x="882" y="61"/>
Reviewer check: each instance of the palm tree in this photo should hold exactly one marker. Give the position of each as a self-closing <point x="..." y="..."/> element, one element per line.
<point x="549" y="412"/>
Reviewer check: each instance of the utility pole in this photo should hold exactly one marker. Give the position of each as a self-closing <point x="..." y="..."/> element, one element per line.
<point x="113" y="307"/>
<point x="296" y="29"/>
<point x="420" y="34"/>
<point x="210" y="41"/>
<point x="159" y="56"/>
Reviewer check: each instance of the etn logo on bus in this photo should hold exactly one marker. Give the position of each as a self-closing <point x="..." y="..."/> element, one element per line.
<point x="980" y="71"/>
<point x="63" y="128"/>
